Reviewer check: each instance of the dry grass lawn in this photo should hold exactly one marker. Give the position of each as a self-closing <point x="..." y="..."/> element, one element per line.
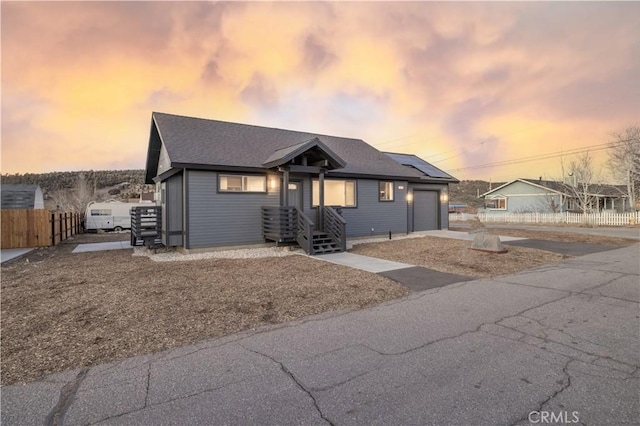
<point x="63" y="310"/>
<point x="430" y="252"/>
<point x="568" y="237"/>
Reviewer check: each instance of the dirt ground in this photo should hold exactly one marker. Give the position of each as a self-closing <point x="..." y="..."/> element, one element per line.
<point x="428" y="252"/>
<point x="565" y="236"/>
<point x="62" y="310"/>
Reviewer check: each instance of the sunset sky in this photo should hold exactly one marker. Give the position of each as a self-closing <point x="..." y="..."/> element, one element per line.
<point x="459" y="84"/>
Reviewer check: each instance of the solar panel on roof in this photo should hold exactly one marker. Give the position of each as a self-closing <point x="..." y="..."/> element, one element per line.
<point x="420" y="164"/>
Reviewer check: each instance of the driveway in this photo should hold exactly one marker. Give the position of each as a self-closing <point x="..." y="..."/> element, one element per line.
<point x="560" y="340"/>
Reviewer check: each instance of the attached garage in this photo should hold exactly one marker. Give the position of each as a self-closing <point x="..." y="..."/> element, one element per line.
<point x="426" y="206"/>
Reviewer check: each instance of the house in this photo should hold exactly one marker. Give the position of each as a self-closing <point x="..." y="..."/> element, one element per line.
<point x="545" y="196"/>
<point x="228" y="184"/>
<point x="22" y="197"/>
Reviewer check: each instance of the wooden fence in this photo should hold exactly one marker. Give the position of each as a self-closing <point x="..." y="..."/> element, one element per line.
<point x="595" y="219"/>
<point x="38" y="228"/>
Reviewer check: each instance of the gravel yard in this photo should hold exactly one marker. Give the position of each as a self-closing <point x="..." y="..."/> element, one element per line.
<point x="63" y="310"/>
<point x="429" y="252"/>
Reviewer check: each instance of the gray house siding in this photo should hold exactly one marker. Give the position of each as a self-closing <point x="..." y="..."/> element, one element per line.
<point x="218" y="219"/>
<point x="382" y="216"/>
<point x="172" y="206"/>
<point x="443" y="220"/>
<point x="530" y="203"/>
<point x="224" y="219"/>
<point x="373" y="214"/>
<point x="164" y="163"/>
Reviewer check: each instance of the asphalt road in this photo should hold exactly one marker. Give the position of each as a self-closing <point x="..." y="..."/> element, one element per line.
<point x="560" y="342"/>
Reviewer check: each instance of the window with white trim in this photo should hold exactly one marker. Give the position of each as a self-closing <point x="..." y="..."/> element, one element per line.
<point x="336" y="193"/>
<point x="496" y="204"/>
<point x="237" y="183"/>
<point x="385" y="191"/>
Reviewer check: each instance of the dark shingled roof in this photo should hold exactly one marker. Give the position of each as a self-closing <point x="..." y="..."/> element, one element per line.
<point x="282" y="156"/>
<point x="196" y="142"/>
<point x="19" y="196"/>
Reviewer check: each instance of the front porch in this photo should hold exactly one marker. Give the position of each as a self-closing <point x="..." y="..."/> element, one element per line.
<point x="289" y="224"/>
<point x="324" y="233"/>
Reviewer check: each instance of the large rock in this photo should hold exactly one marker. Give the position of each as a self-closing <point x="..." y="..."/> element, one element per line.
<point x="484" y="241"/>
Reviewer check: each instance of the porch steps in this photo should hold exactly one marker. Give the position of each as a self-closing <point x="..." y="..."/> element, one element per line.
<point x="323" y="243"/>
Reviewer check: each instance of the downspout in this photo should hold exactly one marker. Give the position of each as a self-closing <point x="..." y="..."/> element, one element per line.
<point x="321" y="201"/>
<point x="285" y="188"/>
<point x="185" y="208"/>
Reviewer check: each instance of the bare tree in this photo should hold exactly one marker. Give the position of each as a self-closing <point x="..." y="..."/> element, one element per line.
<point x="549" y="203"/>
<point x="582" y="187"/>
<point x="624" y="161"/>
<point x="77" y="198"/>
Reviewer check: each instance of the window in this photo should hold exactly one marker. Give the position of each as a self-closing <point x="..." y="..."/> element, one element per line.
<point x="386" y="191"/>
<point x="336" y="193"/>
<point x="100" y="212"/>
<point x="235" y="183"/>
<point x="496" y="204"/>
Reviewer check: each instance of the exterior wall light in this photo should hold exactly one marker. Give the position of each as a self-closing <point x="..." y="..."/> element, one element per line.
<point x="444" y="196"/>
<point x="272" y="183"/>
<point x="409" y="197"/>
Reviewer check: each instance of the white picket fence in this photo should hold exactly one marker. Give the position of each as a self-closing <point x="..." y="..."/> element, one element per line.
<point x="595" y="219"/>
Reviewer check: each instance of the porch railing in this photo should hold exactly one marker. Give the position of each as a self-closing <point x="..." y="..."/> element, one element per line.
<point x="288" y="224"/>
<point x="305" y="233"/>
<point x="335" y="226"/>
<point x="279" y="223"/>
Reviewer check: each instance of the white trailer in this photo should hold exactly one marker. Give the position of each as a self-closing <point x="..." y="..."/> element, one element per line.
<point x="110" y="215"/>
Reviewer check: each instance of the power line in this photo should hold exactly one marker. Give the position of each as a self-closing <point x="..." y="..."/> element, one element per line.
<point x="598" y="147"/>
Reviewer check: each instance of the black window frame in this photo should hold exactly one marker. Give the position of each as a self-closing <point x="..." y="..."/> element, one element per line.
<point x="383" y="191"/>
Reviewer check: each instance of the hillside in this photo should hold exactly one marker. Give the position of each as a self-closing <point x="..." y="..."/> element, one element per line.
<point x="467" y="191"/>
<point x="61" y="188"/>
<point x="53" y="181"/>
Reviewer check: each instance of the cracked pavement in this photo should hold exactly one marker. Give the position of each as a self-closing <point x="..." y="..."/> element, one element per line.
<point x="561" y="339"/>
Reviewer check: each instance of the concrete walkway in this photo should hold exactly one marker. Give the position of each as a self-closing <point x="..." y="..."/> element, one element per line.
<point x="560" y="339"/>
<point x="364" y="263"/>
<point x="113" y="245"/>
<point x="10" y="254"/>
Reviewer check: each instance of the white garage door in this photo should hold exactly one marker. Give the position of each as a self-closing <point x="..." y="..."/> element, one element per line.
<point x="425" y="210"/>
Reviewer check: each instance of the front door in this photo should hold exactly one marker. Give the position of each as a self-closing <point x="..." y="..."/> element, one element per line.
<point x="295" y="194"/>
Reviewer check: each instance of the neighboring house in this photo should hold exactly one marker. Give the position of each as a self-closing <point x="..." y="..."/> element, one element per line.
<point x="544" y="196"/>
<point x="22" y="197"/>
<point x="226" y="184"/>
